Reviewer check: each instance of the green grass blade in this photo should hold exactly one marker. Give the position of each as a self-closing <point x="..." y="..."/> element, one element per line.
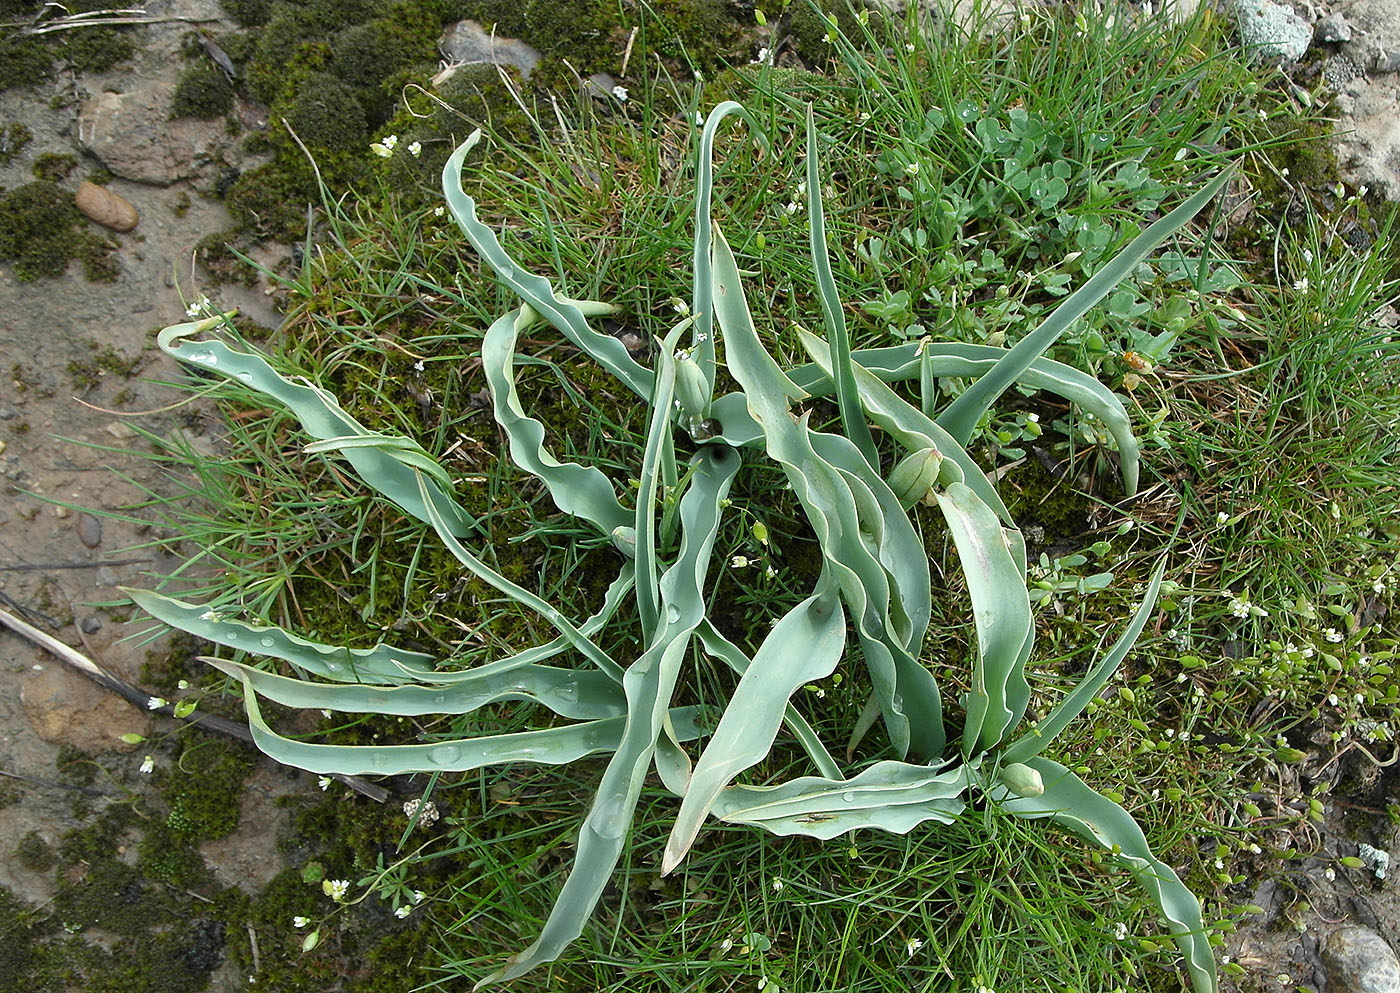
<point x="961" y="416"/>
<point x="581" y="491"/>
<point x="578" y="695"/>
<point x="852" y="418"/>
<point x="322" y="418"/>
<point x="803" y="646"/>
<point x="1037" y="738"/>
<point x="891" y="796"/>
<point x="1001" y="609"/>
<point x="1070" y="803"/>
<point x="555" y="746"/>
<point x="568" y="316"/>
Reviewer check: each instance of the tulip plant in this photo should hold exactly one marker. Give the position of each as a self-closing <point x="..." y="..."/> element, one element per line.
<point x="856" y="487"/>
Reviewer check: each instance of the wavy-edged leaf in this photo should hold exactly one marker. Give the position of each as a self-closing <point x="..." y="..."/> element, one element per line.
<point x="891" y="796"/>
<point x="381" y="467"/>
<point x="548" y="611"/>
<point x="581" y="491"/>
<point x="555" y="746"/>
<point x="803" y="646"/>
<point x="716" y="645"/>
<point x="649" y="683"/>
<point x="1037" y="738"/>
<point x="583" y="695"/>
<point x="702" y="293"/>
<point x="833" y="317"/>
<point x="381" y="665"/>
<point x="1070" y="803"/>
<point x="961" y="416"/>
<point x="569" y="317"/>
<point x="1001" y="609"/>
<point x="825" y="496"/>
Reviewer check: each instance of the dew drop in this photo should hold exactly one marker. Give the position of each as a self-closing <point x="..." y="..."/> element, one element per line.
<point x="673" y="613"/>
<point x="231" y="635"/>
<point x="444" y="754"/>
<point x="848" y="797"/>
<point x="266" y="642"/>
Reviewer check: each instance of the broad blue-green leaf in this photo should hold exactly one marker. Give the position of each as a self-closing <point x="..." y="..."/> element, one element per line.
<point x="380" y="665"/>
<point x="803" y="646"/>
<point x="393" y="468"/>
<point x="569" y="317"/>
<point x="1071" y="804"/>
<point x="579" y="695"/>
<point x="1001" y="609"/>
<point x="581" y="491"/>
<point x="555" y="746"/>
<point x="891" y="796"/>
<point x="648" y="683"/>
<point x="824" y="494"/>
<point x="833" y="317"/>
<point x="1035" y="739"/>
<point x="961" y="416"/>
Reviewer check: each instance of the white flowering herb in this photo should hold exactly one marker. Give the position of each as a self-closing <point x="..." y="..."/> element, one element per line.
<point x="300" y="922"/>
<point x="402" y="911"/>
<point x="336" y="889"/>
<point x="415" y="149"/>
<point x="620" y="93"/>
<point x="156" y="702"/>
<point x="324" y="782"/>
<point x="147" y="765"/>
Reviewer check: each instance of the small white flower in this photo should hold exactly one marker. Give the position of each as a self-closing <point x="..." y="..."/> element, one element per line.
<point x="1220" y="863"/>
<point x="1378" y="586"/>
<point x="299" y="921"/>
<point x="912" y="169"/>
<point x="621" y="93"/>
<point x="390" y="141"/>
<point x="791" y="209"/>
<point x="156" y="702"/>
<point x="909" y="47"/>
<point x="439" y="211"/>
<point x="739" y="562"/>
<point x="197" y="307"/>
<point x="1256" y="850"/>
<point x="326" y="714"/>
<point x="1301" y="285"/>
<point x="680" y="306"/>
<point x="1120" y="931"/>
<point x="726" y="944"/>
<point x="403" y="911"/>
<point x="1307" y="255"/>
<point x="418" y="897"/>
<point x="415" y="149"/>
<point x="1332" y="635"/>
<point x="418" y="366"/>
<point x="864" y="116"/>
<point x="912" y="945"/>
<point x="1033" y="418"/>
<point x="1221" y="517"/>
<point x="335" y="888"/>
<point x="1239" y="607"/>
<point x="762" y="56"/>
<point x="1329" y="874"/>
<point x="324" y="782"/>
<point x="147" y="764"/>
<point x="777" y="886"/>
<point x="1332" y="699"/>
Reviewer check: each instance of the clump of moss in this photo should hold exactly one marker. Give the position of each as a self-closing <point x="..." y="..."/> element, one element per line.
<point x="54" y="166"/>
<point x="13" y="138"/>
<point x="28" y="58"/>
<point x="34" y="853"/>
<point x="104" y="359"/>
<point x="24" y="59"/>
<point x="202" y="91"/>
<point x="204" y="793"/>
<point x="112" y="896"/>
<point x="41" y="231"/>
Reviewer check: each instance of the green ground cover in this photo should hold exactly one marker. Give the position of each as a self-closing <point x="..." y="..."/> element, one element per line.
<point x="971" y="181"/>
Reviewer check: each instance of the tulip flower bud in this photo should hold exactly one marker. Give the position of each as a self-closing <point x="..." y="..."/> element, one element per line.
<point x="1022" y="780"/>
<point x="915" y="476"/>
<point x="625" y="539"/>
<point x="692" y="391"/>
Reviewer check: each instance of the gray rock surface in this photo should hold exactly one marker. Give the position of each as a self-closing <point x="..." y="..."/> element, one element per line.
<point x="468" y="43"/>
<point x="1359" y="961"/>
<point x="1332" y="28"/>
<point x="131" y="133"/>
<point x="1368" y="142"/>
<point x="1270" y="31"/>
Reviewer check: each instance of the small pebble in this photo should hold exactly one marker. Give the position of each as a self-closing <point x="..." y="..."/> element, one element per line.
<point x="61" y="513"/>
<point x="90" y="624"/>
<point x="106" y="208"/>
<point x="1332" y="29"/>
<point x="89" y="530"/>
<point x="120" y="431"/>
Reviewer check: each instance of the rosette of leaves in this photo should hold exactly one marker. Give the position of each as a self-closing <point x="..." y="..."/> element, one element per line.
<point x="873" y="588"/>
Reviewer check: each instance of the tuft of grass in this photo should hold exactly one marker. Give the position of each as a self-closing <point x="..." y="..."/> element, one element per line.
<point x="1272" y="403"/>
